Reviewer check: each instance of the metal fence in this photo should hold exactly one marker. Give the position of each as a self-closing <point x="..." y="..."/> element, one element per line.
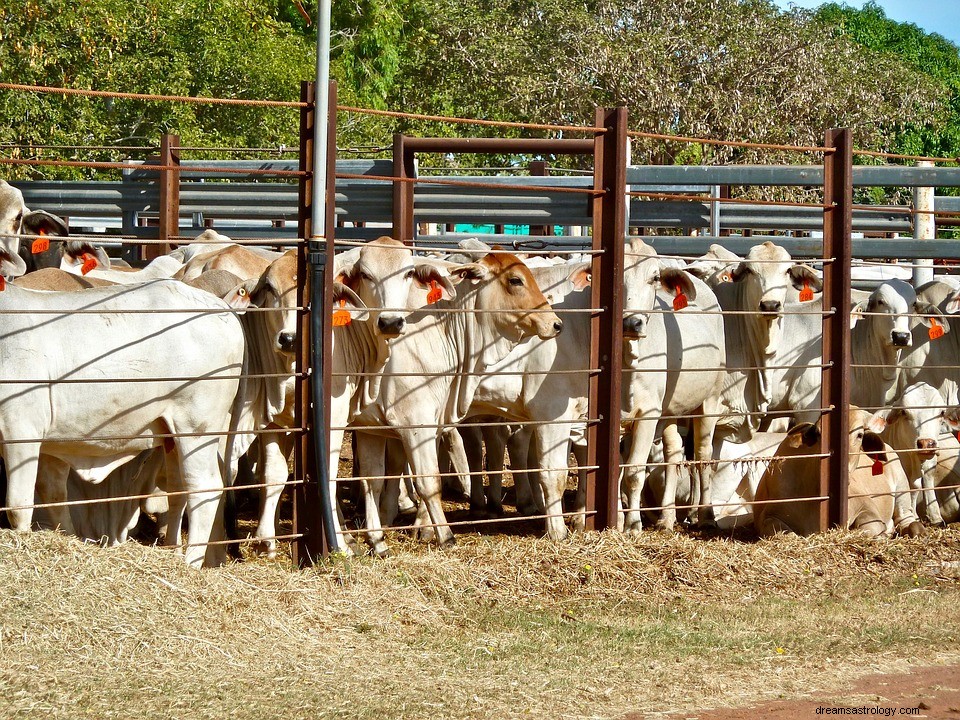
<point x="368" y="198"/>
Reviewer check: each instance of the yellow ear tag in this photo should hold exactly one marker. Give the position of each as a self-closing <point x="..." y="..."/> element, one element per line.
<point x="41" y="244"/>
<point x="435" y="293"/>
<point x="680" y="301"/>
<point x="806" y="295"/>
<point x="341" y="317"/>
<point x="936" y="330"/>
<point x="89" y="263"/>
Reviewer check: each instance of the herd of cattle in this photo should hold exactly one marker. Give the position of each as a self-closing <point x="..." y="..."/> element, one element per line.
<point x="146" y="387"/>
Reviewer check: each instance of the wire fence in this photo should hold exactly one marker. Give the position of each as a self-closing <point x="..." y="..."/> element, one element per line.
<point x="439" y="372"/>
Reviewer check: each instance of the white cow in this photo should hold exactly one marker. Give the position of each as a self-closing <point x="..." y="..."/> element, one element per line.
<point x="15" y="218"/>
<point x="181" y="332"/>
<point x="928" y="453"/>
<point x="773" y="345"/>
<point x="434" y="369"/>
<point x="881" y="332"/>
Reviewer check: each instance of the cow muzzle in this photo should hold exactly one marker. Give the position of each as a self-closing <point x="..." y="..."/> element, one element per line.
<point x="287" y="341"/>
<point x="390" y="325"/>
<point x="548" y="326"/>
<point x="927" y="447"/>
<point x="634" y="327"/>
<point x="899" y="338"/>
<point x="770" y="307"/>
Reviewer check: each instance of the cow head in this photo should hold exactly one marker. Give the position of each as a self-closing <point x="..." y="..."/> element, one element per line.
<point x="275" y="291"/>
<point x="506" y="286"/>
<point x="643" y="275"/>
<point x="915" y="420"/>
<point x="383" y="273"/>
<point x="865" y="432"/>
<point x="12" y="212"/>
<point x="766" y="273"/>
<point x="716" y="266"/>
<point x="888" y="311"/>
<point x="74" y="255"/>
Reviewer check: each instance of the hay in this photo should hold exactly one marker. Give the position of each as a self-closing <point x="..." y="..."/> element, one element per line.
<point x="495" y="627"/>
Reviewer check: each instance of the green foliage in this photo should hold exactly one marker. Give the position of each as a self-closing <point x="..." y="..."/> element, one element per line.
<point x="931" y="54"/>
<point x="206" y="48"/>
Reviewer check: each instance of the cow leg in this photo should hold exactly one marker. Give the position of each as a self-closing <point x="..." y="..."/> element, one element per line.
<point x="421" y="448"/>
<point x="201" y="476"/>
<point x="52" y="475"/>
<point x="338" y="420"/>
<point x="461" y="482"/>
<point x="552" y="443"/>
<point x="176" y="502"/>
<point x="704" y="429"/>
<point x="371" y="449"/>
<point x="495" y="440"/>
<point x="518" y="446"/>
<point x="275" y="451"/>
<point x="634" y="475"/>
<point x="22" y="463"/>
<point x="930" y="501"/>
<point x="395" y="466"/>
<point x="673" y="455"/>
<point x="579" y="521"/>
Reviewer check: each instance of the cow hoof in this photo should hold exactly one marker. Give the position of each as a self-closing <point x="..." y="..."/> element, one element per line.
<point x="427" y="534"/>
<point x="665" y="526"/>
<point x="381" y="550"/>
<point x="916" y="529"/>
<point x="266" y="548"/>
<point x="449" y="543"/>
<point x="578" y="524"/>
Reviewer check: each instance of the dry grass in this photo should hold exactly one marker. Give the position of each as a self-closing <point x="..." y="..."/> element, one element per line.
<point x="597" y="626"/>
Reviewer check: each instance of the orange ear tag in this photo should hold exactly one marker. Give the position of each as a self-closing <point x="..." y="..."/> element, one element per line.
<point x="435" y="293"/>
<point x="936" y="330"/>
<point x="878" y="467"/>
<point x="806" y="295"/>
<point x="680" y="301"/>
<point x="41" y="244"/>
<point x="3" y="286"/>
<point x="89" y="263"/>
<point x="341" y="317"/>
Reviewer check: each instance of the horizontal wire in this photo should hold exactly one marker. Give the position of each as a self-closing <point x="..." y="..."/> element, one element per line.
<point x="98" y="165"/>
<point x="154" y="436"/>
<point x="151" y="311"/>
<point x="693" y="416"/>
<point x="147" y="496"/>
<point x="439" y="425"/>
<point x="746" y="458"/>
<point x="734" y="368"/>
<point x="732" y="143"/>
<point x="139" y="379"/>
<point x="472" y="121"/>
<point x="524" y="373"/>
<point x="238" y="541"/>
<point x="471" y="184"/>
<point x="462" y="523"/>
<point x="671" y="197"/>
<point x="491" y="251"/>
<point x="694" y="258"/>
<point x="781" y="501"/>
<point x="142" y="96"/>
<point x="471" y="473"/>
<point x="689" y="310"/>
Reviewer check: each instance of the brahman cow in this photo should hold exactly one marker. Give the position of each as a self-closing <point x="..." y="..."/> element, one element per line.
<point x="15" y="219"/>
<point x="152" y="331"/>
<point x="878" y="500"/>
<point x="434" y="368"/>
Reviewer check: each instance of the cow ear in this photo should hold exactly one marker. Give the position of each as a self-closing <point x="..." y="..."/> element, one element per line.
<point x="877" y="422"/>
<point x="475" y="272"/>
<point x="739" y="272"/>
<point x="803" y="275"/>
<point x="856" y="314"/>
<point x="40" y="222"/>
<point x="425" y="274"/>
<point x="701" y="269"/>
<point x="953" y="305"/>
<point x="344" y="266"/>
<point x="893" y="416"/>
<point x="581" y="277"/>
<point x="241" y="297"/>
<point x="677" y="281"/>
<point x="951" y="417"/>
<point x="928" y="311"/>
<point x="806" y="434"/>
<point x="78" y="252"/>
<point x="12" y="265"/>
<point x="346" y="299"/>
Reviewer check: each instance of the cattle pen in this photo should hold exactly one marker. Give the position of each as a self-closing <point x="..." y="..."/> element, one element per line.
<point x="607" y="210"/>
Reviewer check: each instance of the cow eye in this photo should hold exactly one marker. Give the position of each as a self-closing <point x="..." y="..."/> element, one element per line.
<point x="409" y="275"/>
<point x="364" y="276"/>
<point x="515" y="281"/>
<point x="655" y="280"/>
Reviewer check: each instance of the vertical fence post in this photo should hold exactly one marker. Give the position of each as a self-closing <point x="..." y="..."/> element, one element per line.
<point x="606" y="346"/>
<point x="924" y="227"/>
<point x="169" y="195"/>
<point x="403" y="168"/>
<point x="837" y="244"/>
<point x="306" y="495"/>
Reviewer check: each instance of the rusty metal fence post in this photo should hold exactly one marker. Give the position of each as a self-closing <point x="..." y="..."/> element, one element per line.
<point x="169" y="223"/>
<point x="606" y="347"/>
<point x="403" y="168"/>
<point x="838" y="246"/>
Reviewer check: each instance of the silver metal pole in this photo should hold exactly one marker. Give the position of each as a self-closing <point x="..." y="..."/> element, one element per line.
<point x="924" y="227"/>
<point x="320" y="124"/>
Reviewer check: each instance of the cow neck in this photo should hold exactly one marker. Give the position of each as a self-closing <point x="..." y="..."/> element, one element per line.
<point x="272" y="393"/>
<point x="366" y="351"/>
<point x="880" y="382"/>
<point x="762" y="340"/>
<point x="480" y="346"/>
